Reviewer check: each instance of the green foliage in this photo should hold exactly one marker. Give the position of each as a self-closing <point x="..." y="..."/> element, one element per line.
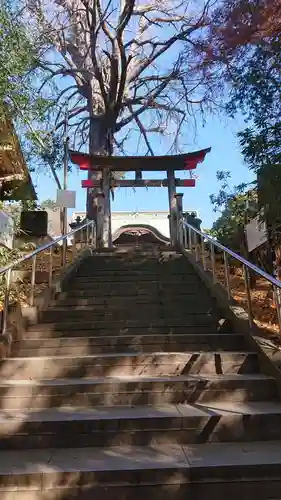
<point x="51" y="204"/>
<point x="256" y="91"/>
<point x="20" y="78"/>
<point x="235" y="206"/>
<point x="19" y="59"/>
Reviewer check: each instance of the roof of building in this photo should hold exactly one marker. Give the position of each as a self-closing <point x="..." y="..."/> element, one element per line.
<point x="14" y="174"/>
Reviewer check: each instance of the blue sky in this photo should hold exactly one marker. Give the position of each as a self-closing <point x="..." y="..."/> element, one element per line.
<point x="218" y="133"/>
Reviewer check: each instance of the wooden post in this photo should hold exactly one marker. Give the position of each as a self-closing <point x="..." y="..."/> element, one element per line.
<point x="172" y="206"/>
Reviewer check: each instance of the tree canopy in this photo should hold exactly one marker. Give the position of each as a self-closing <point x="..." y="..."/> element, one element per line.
<point x="235" y="206"/>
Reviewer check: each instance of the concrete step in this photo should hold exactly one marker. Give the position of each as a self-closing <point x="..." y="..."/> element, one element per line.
<point x="136" y="390"/>
<point x="124" y="280"/>
<point x="148" y="291"/>
<point x="116" y="302"/>
<point x="197" y="322"/>
<point x="154" y="272"/>
<point x="146" y="264"/>
<point x="87" y="330"/>
<point x="129" y="364"/>
<point x="163" y="472"/>
<point x="143" y="274"/>
<point x="157" y="270"/>
<point x="128" y="343"/>
<point x="154" y="312"/>
<point x="115" y="426"/>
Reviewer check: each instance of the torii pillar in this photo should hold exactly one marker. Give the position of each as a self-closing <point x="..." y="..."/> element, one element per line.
<point x="172" y="206"/>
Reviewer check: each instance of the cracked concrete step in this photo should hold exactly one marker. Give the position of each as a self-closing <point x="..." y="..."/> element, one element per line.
<point x="138" y="390"/>
<point x="113" y="426"/>
<point x="130" y="313"/>
<point x="169" y="472"/>
<point x="129" y="364"/>
<point x="128" y="343"/>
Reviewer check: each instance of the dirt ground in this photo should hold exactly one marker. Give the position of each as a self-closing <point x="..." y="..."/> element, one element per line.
<point x="21" y="290"/>
<point x="263" y="305"/>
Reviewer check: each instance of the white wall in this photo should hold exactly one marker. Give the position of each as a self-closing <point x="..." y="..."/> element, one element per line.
<point x="158" y="220"/>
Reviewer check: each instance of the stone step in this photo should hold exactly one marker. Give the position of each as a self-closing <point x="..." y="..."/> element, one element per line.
<point x="148" y="291"/>
<point x="118" y="313"/>
<point x="151" y="274"/>
<point x="133" y="391"/>
<point x="115" y="302"/>
<point x="128" y="343"/>
<point x="129" y="364"/>
<point x="57" y="331"/>
<point x="112" y="426"/>
<point x="124" y="280"/>
<point x="148" y="266"/>
<point x="163" y="472"/>
<point x="199" y="322"/>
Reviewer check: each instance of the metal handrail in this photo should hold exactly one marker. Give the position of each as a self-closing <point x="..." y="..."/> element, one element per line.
<point x="7" y="270"/>
<point x="226" y="254"/>
<point x="43" y="248"/>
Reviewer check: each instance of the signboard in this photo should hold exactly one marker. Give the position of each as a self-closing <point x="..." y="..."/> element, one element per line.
<point x="6" y="230"/>
<point x="256" y="233"/>
<point x="66" y="198"/>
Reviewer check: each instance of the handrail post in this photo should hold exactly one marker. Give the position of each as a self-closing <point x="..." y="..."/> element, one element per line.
<point x="8" y="276"/>
<point x="87" y="236"/>
<point x="50" y="267"/>
<point x="248" y="293"/>
<point x="213" y="261"/>
<point x="91" y="234"/>
<point x="33" y="279"/>
<point x="94" y="235"/>
<point x="226" y="275"/>
<point x="184" y="230"/>
<point x="197" y="250"/>
<point x="278" y="305"/>
<point x="189" y="238"/>
<point x="203" y="253"/>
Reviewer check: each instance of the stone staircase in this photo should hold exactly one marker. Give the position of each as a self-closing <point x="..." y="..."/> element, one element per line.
<point x="128" y="387"/>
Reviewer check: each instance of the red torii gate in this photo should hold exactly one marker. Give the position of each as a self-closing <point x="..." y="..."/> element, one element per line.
<point x="138" y="164"/>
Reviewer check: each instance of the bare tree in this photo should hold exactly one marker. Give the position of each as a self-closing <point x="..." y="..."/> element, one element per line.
<point x="125" y="69"/>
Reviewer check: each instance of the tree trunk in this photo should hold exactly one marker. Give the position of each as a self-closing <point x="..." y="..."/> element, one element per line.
<point x="98" y="200"/>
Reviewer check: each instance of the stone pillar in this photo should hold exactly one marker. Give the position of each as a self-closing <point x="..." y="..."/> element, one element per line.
<point x="179" y="204"/>
<point x="172" y="206"/>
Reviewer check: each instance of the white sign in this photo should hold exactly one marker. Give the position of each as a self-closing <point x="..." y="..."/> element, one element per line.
<point x="66" y="198"/>
<point x="6" y="230"/>
<point x="256" y="233"/>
